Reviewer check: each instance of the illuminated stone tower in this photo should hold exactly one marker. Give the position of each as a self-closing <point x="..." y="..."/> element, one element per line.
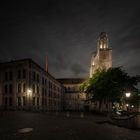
<point x="102" y="58"/>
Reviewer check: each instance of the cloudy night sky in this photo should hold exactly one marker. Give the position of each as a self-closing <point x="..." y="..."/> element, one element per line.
<point x="67" y="31"/>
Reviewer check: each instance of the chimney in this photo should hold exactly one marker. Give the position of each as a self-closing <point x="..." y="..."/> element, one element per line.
<point x="46" y="63"/>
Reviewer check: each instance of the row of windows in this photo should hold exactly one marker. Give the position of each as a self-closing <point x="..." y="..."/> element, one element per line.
<point x="22" y="101"/>
<point x="72" y="89"/>
<point x="44" y="81"/>
<point x="23" y="87"/>
<point x="21" y="74"/>
<point x="8" y="101"/>
<point x="35" y="89"/>
<point x="75" y="97"/>
<point x="53" y="103"/>
<point x="9" y="88"/>
<point x="50" y="93"/>
<point x="53" y="86"/>
<point x="36" y="77"/>
<point x="8" y="75"/>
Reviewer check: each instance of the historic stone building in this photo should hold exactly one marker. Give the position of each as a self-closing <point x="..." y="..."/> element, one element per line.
<point x="102" y="58"/>
<point x="25" y="85"/>
<point x="73" y="98"/>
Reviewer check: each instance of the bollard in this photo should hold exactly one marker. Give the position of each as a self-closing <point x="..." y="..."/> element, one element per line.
<point x="67" y="114"/>
<point x="81" y="115"/>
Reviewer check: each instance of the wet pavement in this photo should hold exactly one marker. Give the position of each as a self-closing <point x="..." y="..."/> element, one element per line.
<point x="61" y="126"/>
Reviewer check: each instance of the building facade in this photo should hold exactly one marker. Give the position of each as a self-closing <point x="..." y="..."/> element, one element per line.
<point x="102" y="58"/>
<point x="25" y="85"/>
<point x="73" y="99"/>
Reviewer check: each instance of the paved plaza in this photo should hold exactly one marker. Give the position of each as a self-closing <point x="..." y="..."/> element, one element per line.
<point x="61" y="126"/>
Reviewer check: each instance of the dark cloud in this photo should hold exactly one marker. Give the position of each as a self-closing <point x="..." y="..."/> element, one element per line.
<point x="77" y="69"/>
<point x="67" y="31"/>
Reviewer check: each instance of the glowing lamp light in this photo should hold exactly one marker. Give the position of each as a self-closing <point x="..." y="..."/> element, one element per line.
<point x="128" y="94"/>
<point x="29" y="91"/>
<point x="127" y="105"/>
<point x="132" y="106"/>
<point x="101" y="46"/>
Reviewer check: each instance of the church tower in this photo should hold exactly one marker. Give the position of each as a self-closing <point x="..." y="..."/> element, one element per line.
<point x="102" y="58"/>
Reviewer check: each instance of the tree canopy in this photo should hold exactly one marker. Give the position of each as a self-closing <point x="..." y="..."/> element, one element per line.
<point x="110" y="84"/>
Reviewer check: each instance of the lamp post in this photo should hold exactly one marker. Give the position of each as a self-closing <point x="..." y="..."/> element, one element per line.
<point x="29" y="93"/>
<point x="127" y="94"/>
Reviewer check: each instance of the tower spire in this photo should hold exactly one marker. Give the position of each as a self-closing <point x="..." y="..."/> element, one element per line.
<point x="103" y="41"/>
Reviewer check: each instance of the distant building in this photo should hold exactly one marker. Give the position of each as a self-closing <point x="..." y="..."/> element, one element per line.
<point x="25" y="85"/>
<point x="102" y="58"/>
<point x="73" y="98"/>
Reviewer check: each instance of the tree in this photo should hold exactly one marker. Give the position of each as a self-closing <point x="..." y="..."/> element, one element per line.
<point x="110" y="85"/>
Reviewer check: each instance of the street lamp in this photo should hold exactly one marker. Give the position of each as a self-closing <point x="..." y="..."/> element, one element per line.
<point x="128" y="94"/>
<point x="29" y="93"/>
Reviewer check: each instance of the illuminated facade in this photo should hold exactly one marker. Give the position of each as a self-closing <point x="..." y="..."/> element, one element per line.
<point x="102" y="58"/>
<point x="25" y="85"/>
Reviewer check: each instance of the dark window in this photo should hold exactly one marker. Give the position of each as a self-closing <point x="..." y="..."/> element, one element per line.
<point x="19" y="101"/>
<point x="38" y="78"/>
<point x="45" y="92"/>
<point x="19" y="88"/>
<point x="42" y="80"/>
<point x="43" y="101"/>
<point x="42" y="91"/>
<point x="29" y="75"/>
<point x="24" y="101"/>
<point x="33" y="100"/>
<point x="37" y="101"/>
<point x="6" y="88"/>
<point x="33" y="75"/>
<point x="10" y="75"/>
<point x="33" y="88"/>
<point x="5" y="101"/>
<point x="10" y="89"/>
<point x="10" y="101"/>
<point x="19" y="74"/>
<point x="6" y="75"/>
<point x="38" y="89"/>
<point x="24" y="74"/>
<point x="24" y="87"/>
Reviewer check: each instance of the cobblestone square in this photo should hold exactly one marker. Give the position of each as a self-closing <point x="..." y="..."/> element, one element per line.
<point x="59" y="126"/>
